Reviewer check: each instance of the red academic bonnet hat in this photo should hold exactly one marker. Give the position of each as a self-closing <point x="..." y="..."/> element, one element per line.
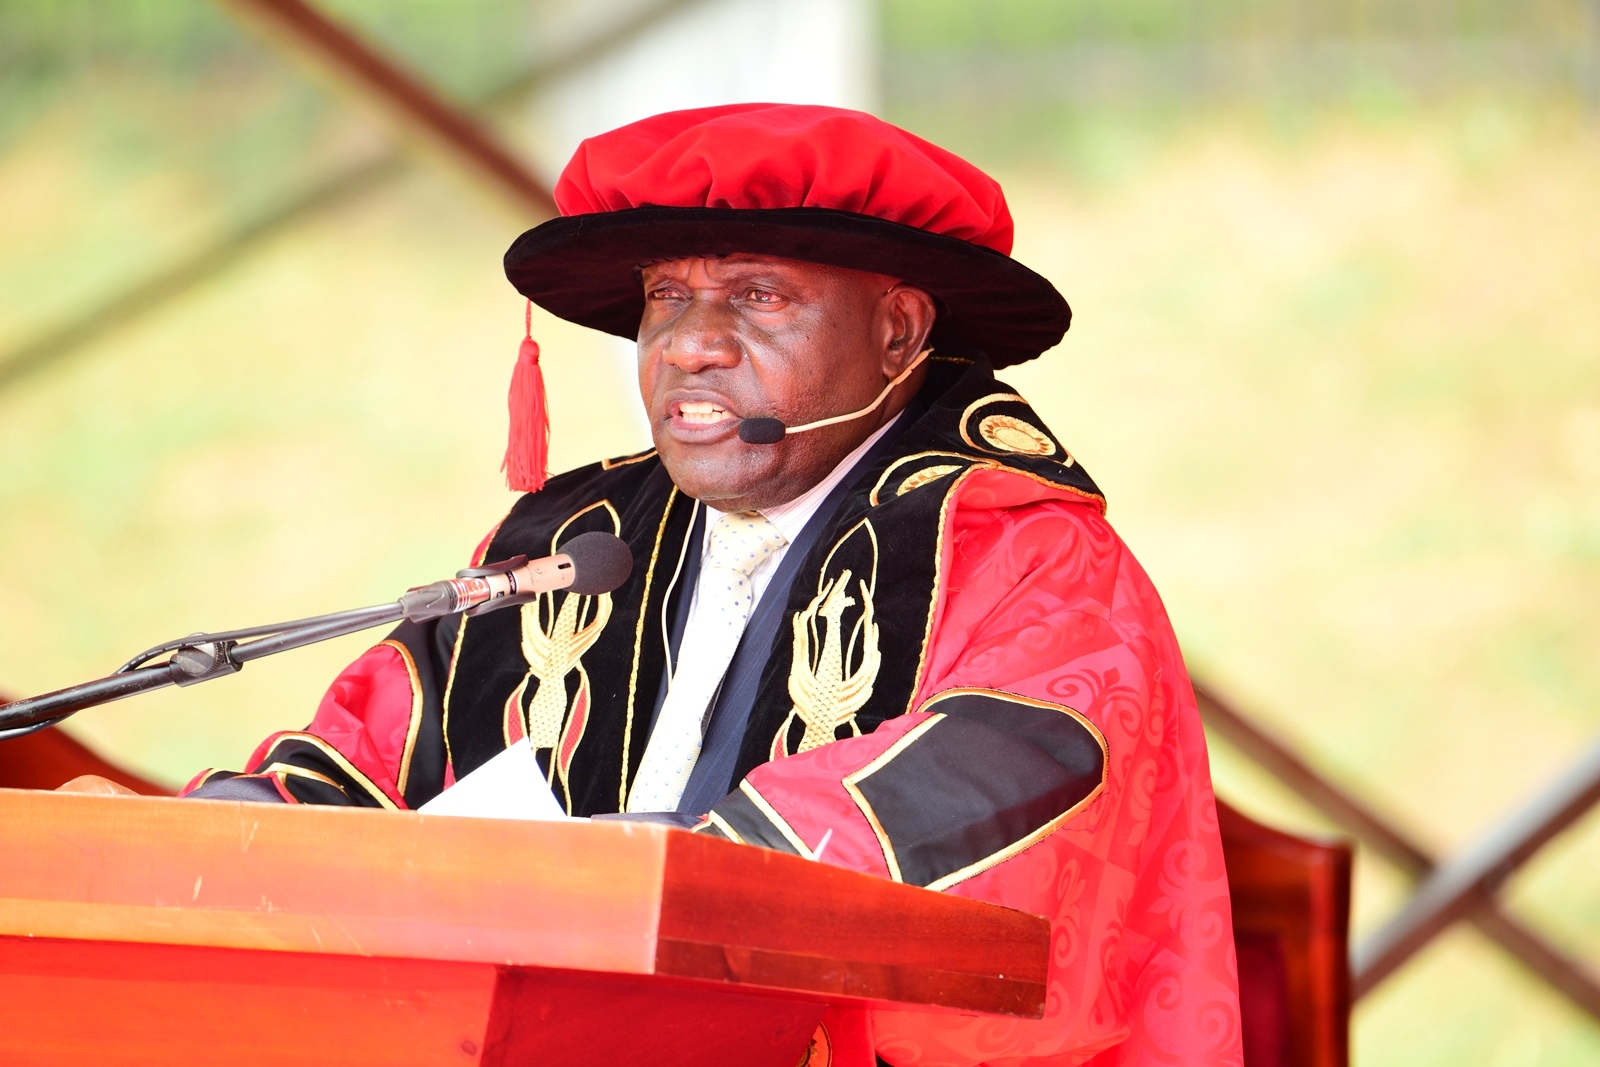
<point x="821" y="184"/>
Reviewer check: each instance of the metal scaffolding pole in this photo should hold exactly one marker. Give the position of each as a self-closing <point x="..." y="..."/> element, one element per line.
<point x="1476" y="906"/>
<point x="166" y="284"/>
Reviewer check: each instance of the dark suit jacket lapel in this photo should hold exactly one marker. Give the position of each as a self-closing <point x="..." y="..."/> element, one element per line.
<point x="712" y="777"/>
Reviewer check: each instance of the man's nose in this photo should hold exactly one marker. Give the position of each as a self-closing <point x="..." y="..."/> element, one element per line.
<point x="703" y="336"/>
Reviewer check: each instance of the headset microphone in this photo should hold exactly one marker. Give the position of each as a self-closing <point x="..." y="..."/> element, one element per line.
<point x="769" y="431"/>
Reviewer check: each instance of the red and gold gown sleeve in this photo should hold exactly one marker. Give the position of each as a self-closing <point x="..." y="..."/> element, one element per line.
<point x="1054" y="763"/>
<point x="377" y="739"/>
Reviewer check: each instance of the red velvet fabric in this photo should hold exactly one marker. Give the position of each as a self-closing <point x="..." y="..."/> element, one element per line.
<point x="365" y="715"/>
<point x="785" y="156"/>
<point x="375" y="747"/>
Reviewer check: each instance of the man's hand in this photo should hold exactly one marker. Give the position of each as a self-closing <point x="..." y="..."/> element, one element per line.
<point x="93" y="783"/>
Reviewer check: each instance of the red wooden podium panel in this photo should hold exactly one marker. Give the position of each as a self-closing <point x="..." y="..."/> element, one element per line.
<point x="152" y="930"/>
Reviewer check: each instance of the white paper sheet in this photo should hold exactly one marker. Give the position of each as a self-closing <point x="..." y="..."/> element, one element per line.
<point x="509" y="786"/>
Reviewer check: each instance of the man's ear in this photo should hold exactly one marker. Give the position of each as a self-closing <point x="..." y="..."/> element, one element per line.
<point x="909" y="313"/>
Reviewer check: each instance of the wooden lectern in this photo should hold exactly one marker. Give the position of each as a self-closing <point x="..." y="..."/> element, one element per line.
<point x="158" y="931"/>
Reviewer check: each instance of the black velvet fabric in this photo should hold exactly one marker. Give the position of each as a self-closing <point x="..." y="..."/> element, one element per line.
<point x="967" y="789"/>
<point x="584" y="268"/>
<point x="232" y="787"/>
<point x="752" y="824"/>
<point x="1065" y="739"/>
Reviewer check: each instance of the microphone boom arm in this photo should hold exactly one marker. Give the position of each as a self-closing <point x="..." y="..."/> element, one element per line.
<point x="769" y="431"/>
<point x="590" y="563"/>
<point x="195" y="659"/>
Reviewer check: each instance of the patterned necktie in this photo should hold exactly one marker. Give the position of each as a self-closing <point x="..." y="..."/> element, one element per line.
<point x="740" y="541"/>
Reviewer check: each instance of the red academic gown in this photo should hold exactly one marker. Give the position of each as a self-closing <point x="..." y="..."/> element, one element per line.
<point x="1042" y="601"/>
<point x="1045" y="601"/>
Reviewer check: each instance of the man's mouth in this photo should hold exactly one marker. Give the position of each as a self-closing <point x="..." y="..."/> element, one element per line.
<point x="702" y="413"/>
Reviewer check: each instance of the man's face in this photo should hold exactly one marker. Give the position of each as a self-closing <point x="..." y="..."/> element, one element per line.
<point x="746" y="336"/>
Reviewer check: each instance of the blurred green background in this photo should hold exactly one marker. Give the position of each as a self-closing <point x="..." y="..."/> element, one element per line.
<point x="1335" y="361"/>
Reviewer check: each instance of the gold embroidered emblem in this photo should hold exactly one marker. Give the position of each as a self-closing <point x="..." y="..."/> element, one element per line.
<point x="555" y="651"/>
<point x="552" y="654"/>
<point x="1003" y="423"/>
<point x="895" y="481"/>
<point x="825" y="695"/>
<point x="832" y="672"/>
<point x="924" y="476"/>
<point x="1010" y="434"/>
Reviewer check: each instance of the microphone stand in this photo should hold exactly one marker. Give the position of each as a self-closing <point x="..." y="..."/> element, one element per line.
<point x="202" y="657"/>
<point x="195" y="659"/>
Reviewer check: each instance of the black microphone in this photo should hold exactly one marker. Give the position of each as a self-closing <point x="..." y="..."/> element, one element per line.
<point x="590" y="563"/>
<point x="762" y="431"/>
<point x="769" y="431"/>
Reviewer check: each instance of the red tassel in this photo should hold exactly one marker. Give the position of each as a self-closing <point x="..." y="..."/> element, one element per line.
<point x="528" y="444"/>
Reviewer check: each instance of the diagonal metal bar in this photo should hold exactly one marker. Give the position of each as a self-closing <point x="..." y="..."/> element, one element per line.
<point x="162" y="286"/>
<point x="1456" y="887"/>
<point x="1568" y="977"/>
<point x="166" y="284"/>
<point x="1277" y="757"/>
<point x="584" y="52"/>
<point x="415" y="109"/>
<point x="1562" y="973"/>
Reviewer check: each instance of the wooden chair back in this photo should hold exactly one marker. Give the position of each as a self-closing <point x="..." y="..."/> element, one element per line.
<point x="1291" y="928"/>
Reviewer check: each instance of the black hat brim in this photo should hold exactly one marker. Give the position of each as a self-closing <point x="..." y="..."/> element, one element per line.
<point x="584" y="268"/>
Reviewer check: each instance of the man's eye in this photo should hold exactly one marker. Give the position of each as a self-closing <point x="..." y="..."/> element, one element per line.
<point x="664" y="293"/>
<point x="763" y="296"/>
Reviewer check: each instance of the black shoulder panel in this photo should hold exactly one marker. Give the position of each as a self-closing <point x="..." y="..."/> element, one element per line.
<point x="988" y="775"/>
<point x="740" y="813"/>
<point x="1074" y="744"/>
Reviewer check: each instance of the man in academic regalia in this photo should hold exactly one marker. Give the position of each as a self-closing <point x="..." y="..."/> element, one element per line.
<point x="906" y="642"/>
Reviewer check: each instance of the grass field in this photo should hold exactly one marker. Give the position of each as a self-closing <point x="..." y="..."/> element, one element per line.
<point x="1340" y="384"/>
